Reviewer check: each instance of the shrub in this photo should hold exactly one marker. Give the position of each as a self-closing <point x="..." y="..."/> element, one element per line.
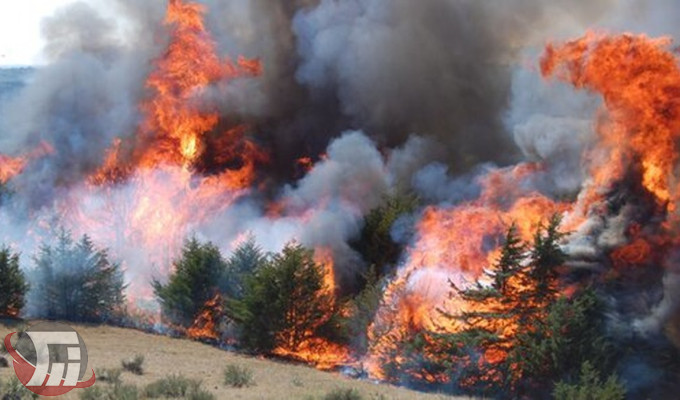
<point x="284" y="302"/>
<point x="12" y="389"/>
<point x="238" y="377"/>
<point x="75" y="282"/>
<point x="177" y="386"/>
<point x="193" y="282"/>
<point x="13" y="286"/>
<point x="590" y="387"/>
<point x="134" y="364"/>
<point x="199" y="393"/>
<point x="343" y="394"/>
<point x="114" y="392"/>
<point x="110" y="375"/>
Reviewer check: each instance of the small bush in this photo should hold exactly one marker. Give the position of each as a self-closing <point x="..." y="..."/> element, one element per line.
<point x="13" y="286"/>
<point x="12" y="389"/>
<point x="238" y="377"/>
<point x="199" y="393"/>
<point x="134" y="365"/>
<point x="590" y="387"/>
<point x="195" y="281"/>
<point x="115" y="392"/>
<point x="109" y="375"/>
<point x="343" y="394"/>
<point x="175" y="387"/>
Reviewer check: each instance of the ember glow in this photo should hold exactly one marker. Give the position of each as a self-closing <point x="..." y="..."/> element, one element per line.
<point x="223" y="147"/>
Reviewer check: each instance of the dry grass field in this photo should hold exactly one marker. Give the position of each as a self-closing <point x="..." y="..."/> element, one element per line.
<point x="164" y="356"/>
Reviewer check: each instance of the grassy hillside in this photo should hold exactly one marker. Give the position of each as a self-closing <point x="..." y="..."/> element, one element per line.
<point x="165" y="356"/>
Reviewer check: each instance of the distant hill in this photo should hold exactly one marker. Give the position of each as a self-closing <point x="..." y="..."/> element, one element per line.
<point x="12" y="80"/>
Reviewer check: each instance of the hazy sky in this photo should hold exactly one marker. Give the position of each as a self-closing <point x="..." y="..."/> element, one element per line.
<point x="20" y="37"/>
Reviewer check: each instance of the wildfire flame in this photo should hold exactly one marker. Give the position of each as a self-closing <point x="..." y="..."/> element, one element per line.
<point x="13" y="166"/>
<point x="454" y="244"/>
<point x="639" y="80"/>
<point x="206" y="323"/>
<point x="320" y="352"/>
<point x="10" y="167"/>
<point x="182" y="166"/>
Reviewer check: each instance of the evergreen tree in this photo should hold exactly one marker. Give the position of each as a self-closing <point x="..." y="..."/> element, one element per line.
<point x="13" y="286"/>
<point x="546" y="256"/>
<point x="375" y="243"/>
<point x="194" y="281"/>
<point x="245" y="260"/>
<point x="75" y="281"/>
<point x="284" y="302"/>
<point x="571" y="334"/>
<point x="590" y="387"/>
<point x="477" y="351"/>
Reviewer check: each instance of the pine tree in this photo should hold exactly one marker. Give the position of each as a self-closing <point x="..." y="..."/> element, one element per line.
<point x="284" y="303"/>
<point x="546" y="256"/>
<point x="194" y="281"/>
<point x="480" y="347"/>
<point x="590" y="387"/>
<point x="375" y="242"/>
<point x="245" y="260"/>
<point x="75" y="281"/>
<point x="13" y="286"/>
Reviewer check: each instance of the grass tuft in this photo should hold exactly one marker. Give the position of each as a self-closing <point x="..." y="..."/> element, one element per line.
<point x="343" y="394"/>
<point x="12" y="389"/>
<point x="134" y="365"/>
<point x="114" y="392"/>
<point x="238" y="377"/>
<point x="110" y="375"/>
<point x="176" y="387"/>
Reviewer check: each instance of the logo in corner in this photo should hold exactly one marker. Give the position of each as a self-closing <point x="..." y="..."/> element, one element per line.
<point x="50" y="359"/>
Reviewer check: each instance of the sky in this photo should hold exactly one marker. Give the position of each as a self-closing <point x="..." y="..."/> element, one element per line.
<point x="20" y="38"/>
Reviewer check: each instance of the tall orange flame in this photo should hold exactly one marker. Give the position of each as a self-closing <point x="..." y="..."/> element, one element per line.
<point x="177" y="128"/>
<point x="182" y="166"/>
<point x="639" y="80"/>
<point x="454" y="244"/>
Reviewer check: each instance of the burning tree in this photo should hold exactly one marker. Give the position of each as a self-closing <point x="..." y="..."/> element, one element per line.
<point x="285" y="302"/>
<point x="515" y="335"/>
<point x="13" y="286"/>
<point x="194" y="282"/>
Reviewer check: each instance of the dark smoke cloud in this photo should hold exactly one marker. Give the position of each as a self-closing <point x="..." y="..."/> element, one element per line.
<point x="441" y="69"/>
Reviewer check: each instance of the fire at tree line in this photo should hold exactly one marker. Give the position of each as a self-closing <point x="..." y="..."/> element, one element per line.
<point x="523" y="338"/>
